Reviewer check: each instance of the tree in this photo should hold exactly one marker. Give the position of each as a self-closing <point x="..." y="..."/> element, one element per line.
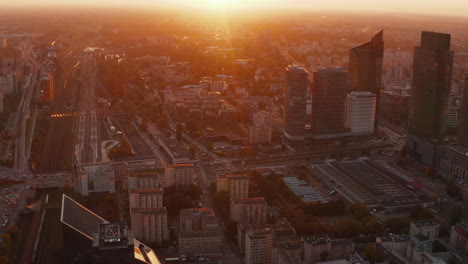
<point x="453" y="190"/>
<point x="359" y="211"/>
<point x="419" y="213"/>
<point x="373" y="254"/>
<point x="221" y="202"/>
<point x="397" y="225"/>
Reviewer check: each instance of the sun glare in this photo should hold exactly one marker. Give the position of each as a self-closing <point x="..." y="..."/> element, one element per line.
<point x="222" y="3"/>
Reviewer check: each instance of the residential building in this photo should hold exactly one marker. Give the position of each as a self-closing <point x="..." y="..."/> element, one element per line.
<point x="237" y="185"/>
<point x="259" y="135"/>
<point x="328" y="103"/>
<point x="427" y="227"/>
<point x="295" y="98"/>
<point x="365" y="68"/>
<point x="249" y="211"/>
<point x="259" y="246"/>
<point x="145" y="179"/>
<point x="178" y="175"/>
<point x="268" y="119"/>
<point x="199" y="233"/>
<point x="315" y="246"/>
<point x="149" y="224"/>
<point x="93" y="178"/>
<point x="360" y="112"/>
<point x="145" y="198"/>
<point x="417" y="245"/>
<point x="432" y="73"/>
<point x="459" y="238"/>
<point x="453" y="163"/>
<point x="463" y="128"/>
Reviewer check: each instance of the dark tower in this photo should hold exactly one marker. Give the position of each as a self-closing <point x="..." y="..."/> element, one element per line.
<point x="365" y="68"/>
<point x="463" y="129"/>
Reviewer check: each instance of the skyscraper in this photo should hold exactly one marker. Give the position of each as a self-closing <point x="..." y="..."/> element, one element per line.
<point x="365" y="67"/>
<point x="463" y="128"/>
<point x="430" y="90"/>
<point x="295" y="105"/>
<point x="328" y="103"/>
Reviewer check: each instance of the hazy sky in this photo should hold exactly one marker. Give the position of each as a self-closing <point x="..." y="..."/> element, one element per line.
<point x="442" y="7"/>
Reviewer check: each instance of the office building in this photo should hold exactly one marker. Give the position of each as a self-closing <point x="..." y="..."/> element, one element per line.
<point x="237" y="185"/>
<point x="459" y="238"/>
<point x="328" y="103"/>
<point x="463" y="127"/>
<point x="259" y="135"/>
<point x="259" y="246"/>
<point x="199" y="233"/>
<point x="178" y="175"/>
<point x="94" y="178"/>
<point x="428" y="228"/>
<point x="219" y="87"/>
<point x="365" y="68"/>
<point x="249" y="211"/>
<point x="360" y="112"/>
<point x="432" y="73"/>
<point x="295" y="98"/>
<point x="145" y="179"/>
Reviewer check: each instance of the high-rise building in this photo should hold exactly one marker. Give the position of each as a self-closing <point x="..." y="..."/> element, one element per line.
<point x="199" y="232"/>
<point x="178" y="175"/>
<point x="459" y="238"/>
<point x="259" y="246"/>
<point x="145" y="198"/>
<point x="463" y="128"/>
<point x="249" y="211"/>
<point x="259" y="134"/>
<point x="295" y="98"/>
<point x="328" y="103"/>
<point x="430" y="90"/>
<point x="365" y="67"/>
<point x="147" y="214"/>
<point x="92" y="178"/>
<point x="237" y="185"/>
<point x="360" y="112"/>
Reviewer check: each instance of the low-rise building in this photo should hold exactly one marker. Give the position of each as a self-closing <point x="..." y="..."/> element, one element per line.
<point x="315" y="246"/>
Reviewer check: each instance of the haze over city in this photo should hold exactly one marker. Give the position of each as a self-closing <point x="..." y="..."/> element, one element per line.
<point x="233" y="132"/>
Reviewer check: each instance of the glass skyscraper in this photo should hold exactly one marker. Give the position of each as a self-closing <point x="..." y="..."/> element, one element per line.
<point x="365" y="68"/>
<point x="295" y="98"/>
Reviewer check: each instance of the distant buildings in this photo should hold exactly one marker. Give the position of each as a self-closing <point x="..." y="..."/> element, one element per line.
<point x="365" y="67"/>
<point x="268" y="119"/>
<point x="328" y="103"/>
<point x="417" y="247"/>
<point x="453" y="163"/>
<point x="219" y="87"/>
<point x="360" y="112"/>
<point x="237" y="185"/>
<point x="428" y="228"/>
<point x="459" y="238"/>
<point x="432" y="72"/>
<point x="463" y="128"/>
<point x="178" y="175"/>
<point x="295" y="98"/>
<point x="7" y="84"/>
<point x="94" y="178"/>
<point x="199" y="233"/>
<point x="259" y="135"/>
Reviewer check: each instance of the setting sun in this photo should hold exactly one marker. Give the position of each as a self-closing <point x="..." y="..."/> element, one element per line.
<point x="222" y="3"/>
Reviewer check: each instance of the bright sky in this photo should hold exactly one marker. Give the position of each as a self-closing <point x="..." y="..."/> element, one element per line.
<point x="442" y="7"/>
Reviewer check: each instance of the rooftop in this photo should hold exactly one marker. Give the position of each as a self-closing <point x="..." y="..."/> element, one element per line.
<point x="425" y="223"/>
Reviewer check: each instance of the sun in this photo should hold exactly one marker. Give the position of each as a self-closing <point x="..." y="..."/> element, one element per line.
<point x="222" y="3"/>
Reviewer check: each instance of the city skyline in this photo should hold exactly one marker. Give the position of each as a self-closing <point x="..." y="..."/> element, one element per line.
<point x="450" y="7"/>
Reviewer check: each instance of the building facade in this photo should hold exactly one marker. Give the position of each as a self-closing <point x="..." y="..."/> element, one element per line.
<point x="328" y="103"/>
<point x="360" y="112"/>
<point x="259" y="246"/>
<point x="463" y="123"/>
<point x="459" y="238"/>
<point x="249" y="211"/>
<point x="178" y="175"/>
<point x="295" y="98"/>
<point x="428" y="228"/>
<point x="365" y="68"/>
<point x="432" y="73"/>
<point x="94" y="178"/>
<point x="237" y="185"/>
<point x="259" y="135"/>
